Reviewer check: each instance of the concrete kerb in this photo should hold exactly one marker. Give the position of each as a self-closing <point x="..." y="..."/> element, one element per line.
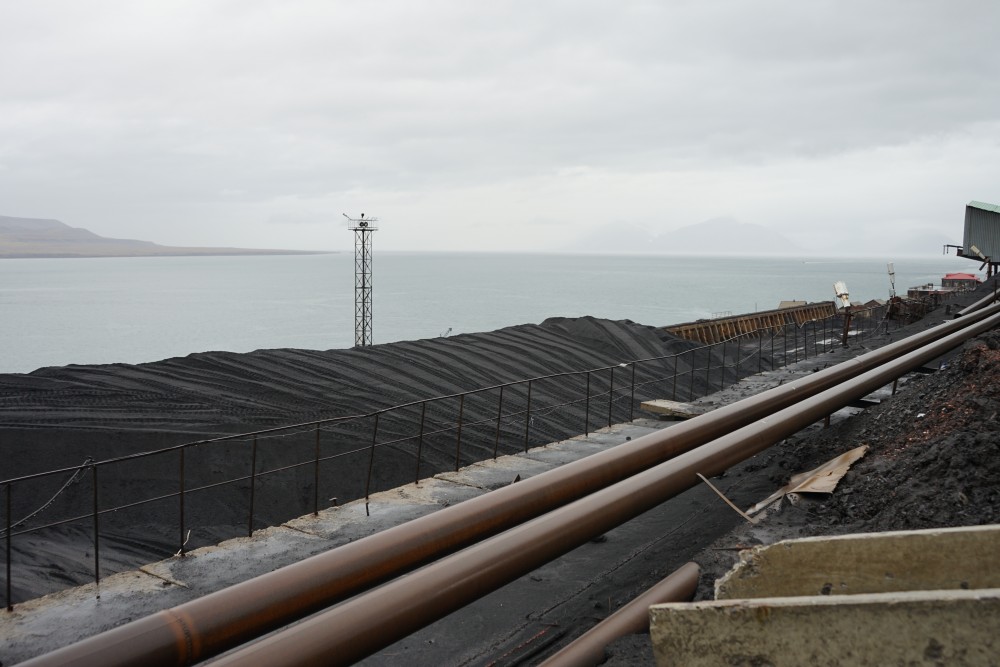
<point x="902" y="628"/>
<point x="903" y="597"/>
<point x="49" y="622"/>
<point x="934" y="559"/>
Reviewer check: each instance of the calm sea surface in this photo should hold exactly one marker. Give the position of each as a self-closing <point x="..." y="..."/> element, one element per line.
<point x="55" y="312"/>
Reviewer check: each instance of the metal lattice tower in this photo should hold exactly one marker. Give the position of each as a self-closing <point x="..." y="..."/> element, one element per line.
<point x="362" y="228"/>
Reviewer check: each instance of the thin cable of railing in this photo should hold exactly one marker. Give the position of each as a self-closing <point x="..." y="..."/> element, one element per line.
<point x="328" y="425"/>
<point x="308" y="426"/>
<point x="510" y="419"/>
<point x="281" y="432"/>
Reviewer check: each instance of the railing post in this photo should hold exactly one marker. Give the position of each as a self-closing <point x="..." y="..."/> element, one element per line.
<point x="691" y="391"/>
<point x="316" y="476"/>
<point x="611" y="394"/>
<point x="420" y="441"/>
<point x="181" y="521"/>
<point x="527" y="418"/>
<point x="371" y="463"/>
<point x="708" y="364"/>
<point x="496" y="440"/>
<point x="10" y="600"/>
<point x="673" y="392"/>
<point x="253" y="484"/>
<point x="586" y="413"/>
<point x="631" y="402"/>
<point x="784" y="345"/>
<point x="458" y="439"/>
<point x="97" y="530"/>
<point x="739" y="353"/>
<point x="722" y="372"/>
<point x="760" y="351"/>
<point x="771" y="365"/>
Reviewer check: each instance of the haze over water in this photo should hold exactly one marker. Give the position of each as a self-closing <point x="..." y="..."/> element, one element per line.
<point x="55" y="312"/>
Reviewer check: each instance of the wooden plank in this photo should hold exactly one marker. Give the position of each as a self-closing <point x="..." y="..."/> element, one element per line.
<point x="674" y="409"/>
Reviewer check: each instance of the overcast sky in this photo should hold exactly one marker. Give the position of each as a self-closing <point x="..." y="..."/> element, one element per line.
<point x="499" y="126"/>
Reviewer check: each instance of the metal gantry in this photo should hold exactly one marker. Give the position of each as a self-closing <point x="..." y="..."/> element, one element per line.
<point x="362" y="228"/>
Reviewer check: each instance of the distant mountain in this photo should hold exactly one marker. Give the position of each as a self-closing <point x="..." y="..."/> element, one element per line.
<point x="725" y="236"/>
<point x="718" y="236"/>
<point x="35" y="237"/>
<point x="613" y="238"/>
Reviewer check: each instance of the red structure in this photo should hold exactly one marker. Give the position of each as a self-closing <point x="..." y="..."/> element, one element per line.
<point x="960" y="281"/>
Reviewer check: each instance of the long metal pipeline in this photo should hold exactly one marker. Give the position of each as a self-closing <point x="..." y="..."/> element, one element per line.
<point x="587" y="650"/>
<point x="217" y="622"/>
<point x="378" y="618"/>
<point x="981" y="303"/>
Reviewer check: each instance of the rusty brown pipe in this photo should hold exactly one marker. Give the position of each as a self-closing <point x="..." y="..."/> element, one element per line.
<point x="587" y="650"/>
<point x="376" y="619"/>
<point x="217" y="622"/>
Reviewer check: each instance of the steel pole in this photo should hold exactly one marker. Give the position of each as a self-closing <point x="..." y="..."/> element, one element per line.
<point x="253" y="486"/>
<point x="7" y="536"/>
<point x="458" y="438"/>
<point x="212" y="624"/>
<point x="180" y="498"/>
<point x="420" y="441"/>
<point x="611" y="394"/>
<point x="316" y="475"/>
<point x="631" y="403"/>
<point x="496" y="441"/>
<point x="97" y="535"/>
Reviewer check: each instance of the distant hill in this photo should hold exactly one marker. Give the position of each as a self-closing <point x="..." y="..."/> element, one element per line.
<point x="35" y="237"/>
<point x="726" y="236"/>
<point x="718" y="236"/>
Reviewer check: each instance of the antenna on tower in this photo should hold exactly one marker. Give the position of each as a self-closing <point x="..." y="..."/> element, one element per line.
<point x="840" y="289"/>
<point x="362" y="228"/>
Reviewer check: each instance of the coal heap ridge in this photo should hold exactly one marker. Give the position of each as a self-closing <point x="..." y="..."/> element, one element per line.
<point x="222" y="390"/>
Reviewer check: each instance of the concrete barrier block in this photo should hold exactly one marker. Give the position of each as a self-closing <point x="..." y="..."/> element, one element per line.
<point x="902" y="628"/>
<point x="938" y="559"/>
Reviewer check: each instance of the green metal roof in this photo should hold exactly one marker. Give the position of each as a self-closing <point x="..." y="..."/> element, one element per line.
<point x="993" y="208"/>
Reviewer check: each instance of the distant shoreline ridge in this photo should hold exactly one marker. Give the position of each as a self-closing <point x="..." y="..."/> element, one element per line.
<point x="36" y="238"/>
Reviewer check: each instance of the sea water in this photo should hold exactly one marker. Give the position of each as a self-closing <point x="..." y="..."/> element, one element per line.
<point x="56" y="312"/>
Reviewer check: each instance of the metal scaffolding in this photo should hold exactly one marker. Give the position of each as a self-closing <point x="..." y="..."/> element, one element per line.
<point x="362" y="228"/>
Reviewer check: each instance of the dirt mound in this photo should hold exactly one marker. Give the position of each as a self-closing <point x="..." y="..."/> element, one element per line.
<point x="935" y="458"/>
<point x="933" y="461"/>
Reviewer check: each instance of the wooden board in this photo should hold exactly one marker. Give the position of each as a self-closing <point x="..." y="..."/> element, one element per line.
<point x="674" y="409"/>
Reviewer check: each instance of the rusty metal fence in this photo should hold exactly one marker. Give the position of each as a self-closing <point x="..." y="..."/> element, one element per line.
<point x="307" y="467"/>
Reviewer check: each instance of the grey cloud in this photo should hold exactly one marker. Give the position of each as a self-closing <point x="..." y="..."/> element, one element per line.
<point x="115" y="107"/>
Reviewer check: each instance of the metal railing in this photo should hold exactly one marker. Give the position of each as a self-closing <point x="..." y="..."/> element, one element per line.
<point x="292" y="470"/>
